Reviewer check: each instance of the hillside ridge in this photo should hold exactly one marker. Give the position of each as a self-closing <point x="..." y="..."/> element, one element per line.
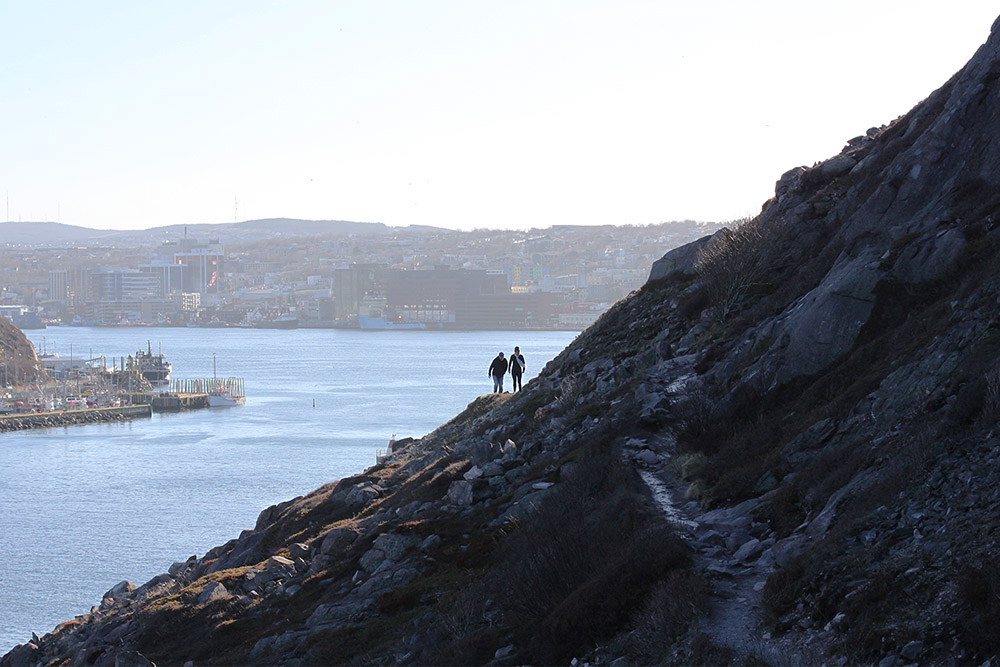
<point x="783" y="448"/>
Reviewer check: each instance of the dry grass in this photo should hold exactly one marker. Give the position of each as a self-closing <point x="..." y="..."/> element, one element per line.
<point x="672" y="605"/>
<point x="978" y="586"/>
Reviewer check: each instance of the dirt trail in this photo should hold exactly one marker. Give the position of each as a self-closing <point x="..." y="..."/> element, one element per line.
<point x="735" y="620"/>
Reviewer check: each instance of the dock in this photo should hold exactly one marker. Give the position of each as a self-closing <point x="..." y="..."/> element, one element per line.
<point x="167" y="401"/>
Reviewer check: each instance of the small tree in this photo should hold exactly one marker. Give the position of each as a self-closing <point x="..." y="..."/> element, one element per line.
<point x="732" y="263"/>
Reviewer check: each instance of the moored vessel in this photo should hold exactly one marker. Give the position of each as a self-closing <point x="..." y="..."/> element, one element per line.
<point x="223" y="397"/>
<point x="369" y="323"/>
<point x="286" y="321"/>
<point x="153" y="367"/>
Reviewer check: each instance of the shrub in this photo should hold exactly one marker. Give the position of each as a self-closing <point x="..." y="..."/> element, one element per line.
<point x="561" y="589"/>
<point x="569" y="391"/>
<point x="784" y="512"/>
<point x="732" y="264"/>
<point x="695" y="415"/>
<point x="668" y="612"/>
<point x="781" y="591"/>
<point x="979" y="596"/>
<point x="690" y="466"/>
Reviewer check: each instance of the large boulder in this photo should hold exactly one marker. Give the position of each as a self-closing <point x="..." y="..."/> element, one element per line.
<point x="362" y="495"/>
<point x="213" y="592"/>
<point x="120" y="590"/>
<point x="678" y="261"/>
<point x="823" y="324"/>
<point x="394" y="545"/>
<point x="24" y="655"/>
<point x="336" y="540"/>
<point x="460" y="493"/>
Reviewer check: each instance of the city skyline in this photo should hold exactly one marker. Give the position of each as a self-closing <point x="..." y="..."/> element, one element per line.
<point x="440" y="279"/>
<point x="448" y="114"/>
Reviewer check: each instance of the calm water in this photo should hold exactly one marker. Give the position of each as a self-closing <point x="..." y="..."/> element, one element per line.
<point x="84" y="507"/>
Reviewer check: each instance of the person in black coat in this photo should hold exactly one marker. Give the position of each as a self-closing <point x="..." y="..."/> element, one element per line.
<point x="516" y="368"/>
<point x="497" y="370"/>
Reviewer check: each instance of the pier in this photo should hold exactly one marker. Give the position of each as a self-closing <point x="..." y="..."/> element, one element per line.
<point x="167" y="401"/>
<point x="184" y="394"/>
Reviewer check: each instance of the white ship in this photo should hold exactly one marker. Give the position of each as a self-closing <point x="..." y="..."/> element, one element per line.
<point x="225" y="393"/>
<point x="222" y="397"/>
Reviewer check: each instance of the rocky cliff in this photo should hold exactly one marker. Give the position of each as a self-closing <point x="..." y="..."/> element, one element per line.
<point x="18" y="362"/>
<point x="782" y="449"/>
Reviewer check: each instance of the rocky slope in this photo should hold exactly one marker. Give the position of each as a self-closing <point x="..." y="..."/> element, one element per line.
<point x="17" y="356"/>
<point x="782" y="449"/>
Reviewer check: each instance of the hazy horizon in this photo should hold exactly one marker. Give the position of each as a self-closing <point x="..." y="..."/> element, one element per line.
<point x="362" y="222"/>
<point x="448" y="114"/>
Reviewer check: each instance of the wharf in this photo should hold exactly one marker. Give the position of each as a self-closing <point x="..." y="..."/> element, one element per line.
<point x="28" y="420"/>
<point x="168" y="402"/>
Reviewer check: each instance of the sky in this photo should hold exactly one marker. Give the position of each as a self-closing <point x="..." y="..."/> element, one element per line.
<point x="458" y="114"/>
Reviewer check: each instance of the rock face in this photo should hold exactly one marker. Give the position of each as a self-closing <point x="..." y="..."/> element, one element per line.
<point x="678" y="261"/>
<point x="827" y="449"/>
<point x="18" y="355"/>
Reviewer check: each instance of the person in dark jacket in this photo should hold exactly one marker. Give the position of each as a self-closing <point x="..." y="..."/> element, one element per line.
<point x="516" y="368"/>
<point x="497" y="370"/>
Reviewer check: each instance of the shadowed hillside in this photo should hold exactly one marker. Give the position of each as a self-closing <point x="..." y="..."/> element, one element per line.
<point x="782" y="449"/>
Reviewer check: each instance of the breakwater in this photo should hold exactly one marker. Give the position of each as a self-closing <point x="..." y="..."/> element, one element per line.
<point x="28" y="420"/>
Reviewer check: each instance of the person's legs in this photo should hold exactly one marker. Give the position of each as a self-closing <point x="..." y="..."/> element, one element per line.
<point x="497" y="384"/>
<point x="516" y="381"/>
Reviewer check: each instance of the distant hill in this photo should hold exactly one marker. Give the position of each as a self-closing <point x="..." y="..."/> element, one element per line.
<point x="47" y="233"/>
<point x="58" y="234"/>
<point x="274" y="227"/>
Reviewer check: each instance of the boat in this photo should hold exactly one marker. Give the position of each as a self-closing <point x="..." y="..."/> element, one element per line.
<point x="29" y="319"/>
<point x="286" y="321"/>
<point x="153" y="367"/>
<point x="222" y="397"/>
<point x="369" y="323"/>
<point x="221" y="392"/>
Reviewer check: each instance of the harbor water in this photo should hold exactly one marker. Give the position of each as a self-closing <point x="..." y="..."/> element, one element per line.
<point x="84" y="507"/>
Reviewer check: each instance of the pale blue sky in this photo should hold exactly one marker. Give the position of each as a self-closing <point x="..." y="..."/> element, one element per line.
<point x="458" y="114"/>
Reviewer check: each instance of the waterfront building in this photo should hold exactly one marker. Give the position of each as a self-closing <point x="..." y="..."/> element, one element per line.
<point x="352" y="283"/>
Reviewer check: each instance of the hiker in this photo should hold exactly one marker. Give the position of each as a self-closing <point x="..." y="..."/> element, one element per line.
<point x="516" y="368"/>
<point x="497" y="370"/>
